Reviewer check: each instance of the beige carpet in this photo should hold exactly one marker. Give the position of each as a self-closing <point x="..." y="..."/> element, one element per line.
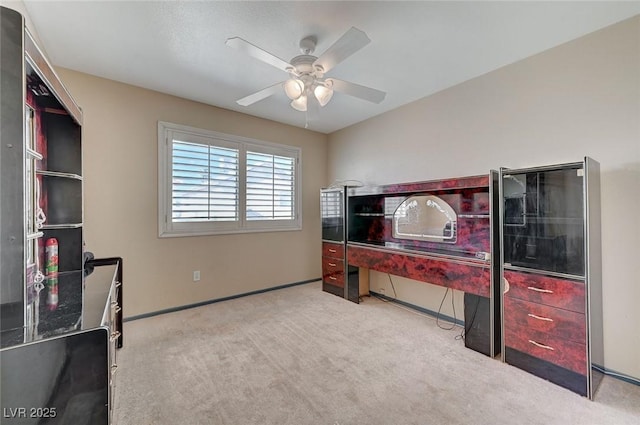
<point x="300" y="356"/>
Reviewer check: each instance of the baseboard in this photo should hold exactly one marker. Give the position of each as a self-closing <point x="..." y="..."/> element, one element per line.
<point x="216" y="300"/>
<point x="418" y="308"/>
<point x="618" y="375"/>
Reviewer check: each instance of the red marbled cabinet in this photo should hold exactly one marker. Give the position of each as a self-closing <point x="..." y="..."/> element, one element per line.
<point x="333" y="264"/>
<point x="333" y="250"/>
<point x="548" y="346"/>
<point x="437" y="185"/>
<point x="468" y="196"/>
<point x="525" y="316"/>
<point x="463" y="276"/>
<point x="544" y="317"/>
<point x="548" y="290"/>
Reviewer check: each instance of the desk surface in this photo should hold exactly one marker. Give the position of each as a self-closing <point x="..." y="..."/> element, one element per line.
<point x="471" y="276"/>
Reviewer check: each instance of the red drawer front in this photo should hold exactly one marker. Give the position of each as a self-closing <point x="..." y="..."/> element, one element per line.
<point x="334" y="250"/>
<point x="333" y="271"/>
<point x="332" y="265"/>
<point x="335" y="279"/>
<point x="565" y="294"/>
<point x="556" y="350"/>
<point x="524" y="316"/>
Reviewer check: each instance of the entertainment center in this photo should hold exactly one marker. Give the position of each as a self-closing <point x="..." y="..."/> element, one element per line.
<point x="523" y="245"/>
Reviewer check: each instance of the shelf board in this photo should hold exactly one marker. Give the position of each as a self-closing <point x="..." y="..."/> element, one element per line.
<point x="474" y="216"/>
<point x="61" y="226"/>
<point x="35" y="235"/>
<point x="47" y="173"/>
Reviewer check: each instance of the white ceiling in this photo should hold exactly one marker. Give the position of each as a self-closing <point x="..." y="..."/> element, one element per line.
<point x="417" y="48"/>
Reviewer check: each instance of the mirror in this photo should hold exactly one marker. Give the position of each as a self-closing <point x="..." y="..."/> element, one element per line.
<point x="425" y="218"/>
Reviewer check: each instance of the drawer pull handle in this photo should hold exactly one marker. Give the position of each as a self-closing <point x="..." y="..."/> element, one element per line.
<point x="332" y="250"/>
<point x="333" y="278"/>
<point x="115" y="335"/>
<point x="537" y="344"/>
<point x="118" y="284"/>
<point x="114" y="368"/>
<point x="331" y="264"/>
<point x="118" y="309"/>
<point x="546" y="291"/>
<point x="546" y="319"/>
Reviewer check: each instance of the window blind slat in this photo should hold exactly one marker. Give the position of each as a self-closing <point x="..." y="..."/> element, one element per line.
<point x="205" y="182"/>
<point x="270" y="187"/>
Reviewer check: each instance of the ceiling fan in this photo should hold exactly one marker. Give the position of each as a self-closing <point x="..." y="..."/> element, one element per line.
<point x="307" y="86"/>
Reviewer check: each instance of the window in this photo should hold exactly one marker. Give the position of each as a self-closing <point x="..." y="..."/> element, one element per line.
<point x="213" y="183"/>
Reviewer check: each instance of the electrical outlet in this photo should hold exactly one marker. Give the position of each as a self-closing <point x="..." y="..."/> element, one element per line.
<point x="196" y="275"/>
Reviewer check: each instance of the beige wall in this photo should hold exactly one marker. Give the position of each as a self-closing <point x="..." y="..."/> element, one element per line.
<point x="581" y="98"/>
<point x="121" y="200"/>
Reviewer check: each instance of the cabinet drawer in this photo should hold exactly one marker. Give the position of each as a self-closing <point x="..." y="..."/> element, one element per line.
<point x="334" y="250"/>
<point x="332" y="265"/>
<point x="334" y="278"/>
<point x="549" y="347"/>
<point x="547" y="290"/>
<point x="524" y="316"/>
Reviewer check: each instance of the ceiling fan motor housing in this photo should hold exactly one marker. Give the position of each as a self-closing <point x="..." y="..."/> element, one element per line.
<point x="308" y="45"/>
<point x="305" y="71"/>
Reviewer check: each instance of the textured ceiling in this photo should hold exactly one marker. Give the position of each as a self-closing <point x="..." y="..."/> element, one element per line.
<point x="417" y="48"/>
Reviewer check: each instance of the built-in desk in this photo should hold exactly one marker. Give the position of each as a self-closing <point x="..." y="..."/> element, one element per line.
<point x="439" y="232"/>
<point x="466" y="275"/>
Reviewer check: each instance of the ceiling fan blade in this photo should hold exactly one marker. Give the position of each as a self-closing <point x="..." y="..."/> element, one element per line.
<point x="356" y="90"/>
<point x="352" y="41"/>
<point x="259" y="95"/>
<point x="255" y="51"/>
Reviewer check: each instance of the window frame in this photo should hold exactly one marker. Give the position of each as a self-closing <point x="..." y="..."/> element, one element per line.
<point x="168" y="228"/>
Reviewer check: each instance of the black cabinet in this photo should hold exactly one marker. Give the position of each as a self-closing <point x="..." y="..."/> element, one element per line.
<point x="68" y="378"/>
<point x="338" y="277"/>
<point x="58" y="330"/>
<point x="42" y="206"/>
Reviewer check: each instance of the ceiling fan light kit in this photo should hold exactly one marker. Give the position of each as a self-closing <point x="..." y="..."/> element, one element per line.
<point x="307" y="86"/>
<point x="300" y="104"/>
<point x="293" y="88"/>
<point x="323" y="94"/>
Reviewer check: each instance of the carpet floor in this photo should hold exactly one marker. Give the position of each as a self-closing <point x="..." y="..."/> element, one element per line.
<point x="301" y="356"/>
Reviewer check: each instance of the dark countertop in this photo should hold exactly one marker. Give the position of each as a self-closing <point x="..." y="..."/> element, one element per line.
<point x="80" y="306"/>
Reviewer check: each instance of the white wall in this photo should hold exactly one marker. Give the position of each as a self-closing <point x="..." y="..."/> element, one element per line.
<point x="120" y="161"/>
<point x="581" y="98"/>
